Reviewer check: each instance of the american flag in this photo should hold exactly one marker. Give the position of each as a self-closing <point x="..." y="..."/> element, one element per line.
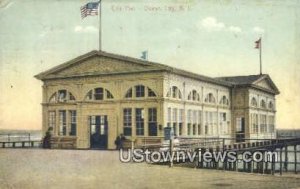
<point x="89" y="9"/>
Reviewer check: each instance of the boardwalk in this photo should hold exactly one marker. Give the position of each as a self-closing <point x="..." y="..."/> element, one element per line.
<point x="37" y="168"/>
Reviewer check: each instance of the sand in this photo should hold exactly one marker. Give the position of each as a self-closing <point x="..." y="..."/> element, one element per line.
<point x="38" y="168"/>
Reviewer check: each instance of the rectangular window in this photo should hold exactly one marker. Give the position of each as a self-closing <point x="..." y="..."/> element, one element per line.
<point x="189" y="120"/>
<point x="174" y="115"/>
<point x="99" y="94"/>
<point x="127" y="121"/>
<point x="194" y="129"/>
<point x="180" y="129"/>
<point x="62" y="123"/>
<point x="139" y="91"/>
<point x="52" y="119"/>
<point x="263" y="123"/>
<point x="199" y="122"/>
<point x="174" y="119"/>
<point x="73" y="123"/>
<point x="152" y="122"/>
<point x="169" y="117"/>
<point x="139" y="121"/>
<point x="271" y="122"/>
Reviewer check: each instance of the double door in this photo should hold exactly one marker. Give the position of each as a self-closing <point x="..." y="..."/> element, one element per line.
<point x="98" y="131"/>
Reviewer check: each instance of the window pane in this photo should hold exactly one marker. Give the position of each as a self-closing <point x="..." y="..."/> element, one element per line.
<point x="127" y="117"/>
<point x="98" y="94"/>
<point x="139" y="91"/>
<point x="139" y="119"/>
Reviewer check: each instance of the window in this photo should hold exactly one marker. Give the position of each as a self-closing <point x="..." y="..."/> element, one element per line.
<point x="271" y="105"/>
<point x="152" y="122"/>
<point x="139" y="91"/>
<point x="253" y="102"/>
<point x="174" y="121"/>
<point x="263" y="123"/>
<point x="263" y="104"/>
<point x="53" y="98"/>
<point x="180" y="122"/>
<point x="194" y="96"/>
<point x="139" y="121"/>
<point x="223" y="123"/>
<point x="210" y="98"/>
<point x="169" y="118"/>
<point x="199" y="122"/>
<point x="224" y="101"/>
<point x="52" y="119"/>
<point x="98" y="94"/>
<point x="62" y="95"/>
<point x="174" y="92"/>
<point x="254" y="123"/>
<point x="129" y="93"/>
<point x="89" y="95"/>
<point x="73" y="122"/>
<point x="108" y="94"/>
<point x="271" y="122"/>
<point x="127" y="120"/>
<point x="62" y="123"/>
<point x="189" y="120"/>
<point x="151" y="93"/>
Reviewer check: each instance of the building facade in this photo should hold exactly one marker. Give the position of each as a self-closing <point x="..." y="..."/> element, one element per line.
<point x="92" y="99"/>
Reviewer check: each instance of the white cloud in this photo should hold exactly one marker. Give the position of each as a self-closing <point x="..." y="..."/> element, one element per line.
<point x="258" y="30"/>
<point x="86" y="29"/>
<point x="211" y="24"/>
<point x="234" y="29"/>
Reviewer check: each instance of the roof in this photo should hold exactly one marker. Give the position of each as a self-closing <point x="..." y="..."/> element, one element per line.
<point x="250" y="81"/>
<point x="241" y="80"/>
<point x="149" y="66"/>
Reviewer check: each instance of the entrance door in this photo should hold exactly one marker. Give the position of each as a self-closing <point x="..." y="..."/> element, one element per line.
<point x="240" y="129"/>
<point x="99" y="131"/>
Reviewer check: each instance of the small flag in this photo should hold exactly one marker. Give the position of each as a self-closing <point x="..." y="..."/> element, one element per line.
<point x="257" y="43"/>
<point x="89" y="9"/>
<point x="144" y="55"/>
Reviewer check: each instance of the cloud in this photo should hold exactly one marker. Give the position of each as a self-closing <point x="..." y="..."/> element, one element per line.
<point x="258" y="30"/>
<point x="211" y="24"/>
<point x="86" y="29"/>
<point x="235" y="29"/>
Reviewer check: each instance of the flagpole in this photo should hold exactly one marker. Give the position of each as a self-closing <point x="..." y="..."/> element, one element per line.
<point x="100" y="28"/>
<point x="260" y="64"/>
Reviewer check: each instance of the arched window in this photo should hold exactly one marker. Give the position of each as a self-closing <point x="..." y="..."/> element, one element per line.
<point x="262" y="104"/>
<point x="99" y="94"/>
<point x="224" y="100"/>
<point x="194" y="96"/>
<point x="271" y="105"/>
<point x="174" y="92"/>
<point x="210" y="98"/>
<point x="253" y="102"/>
<point x="62" y="96"/>
<point x="139" y="91"/>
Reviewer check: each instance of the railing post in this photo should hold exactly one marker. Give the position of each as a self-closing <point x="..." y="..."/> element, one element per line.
<point x="295" y="161"/>
<point x="171" y="151"/>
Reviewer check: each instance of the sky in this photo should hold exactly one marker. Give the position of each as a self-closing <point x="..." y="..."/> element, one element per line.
<point x="212" y="37"/>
